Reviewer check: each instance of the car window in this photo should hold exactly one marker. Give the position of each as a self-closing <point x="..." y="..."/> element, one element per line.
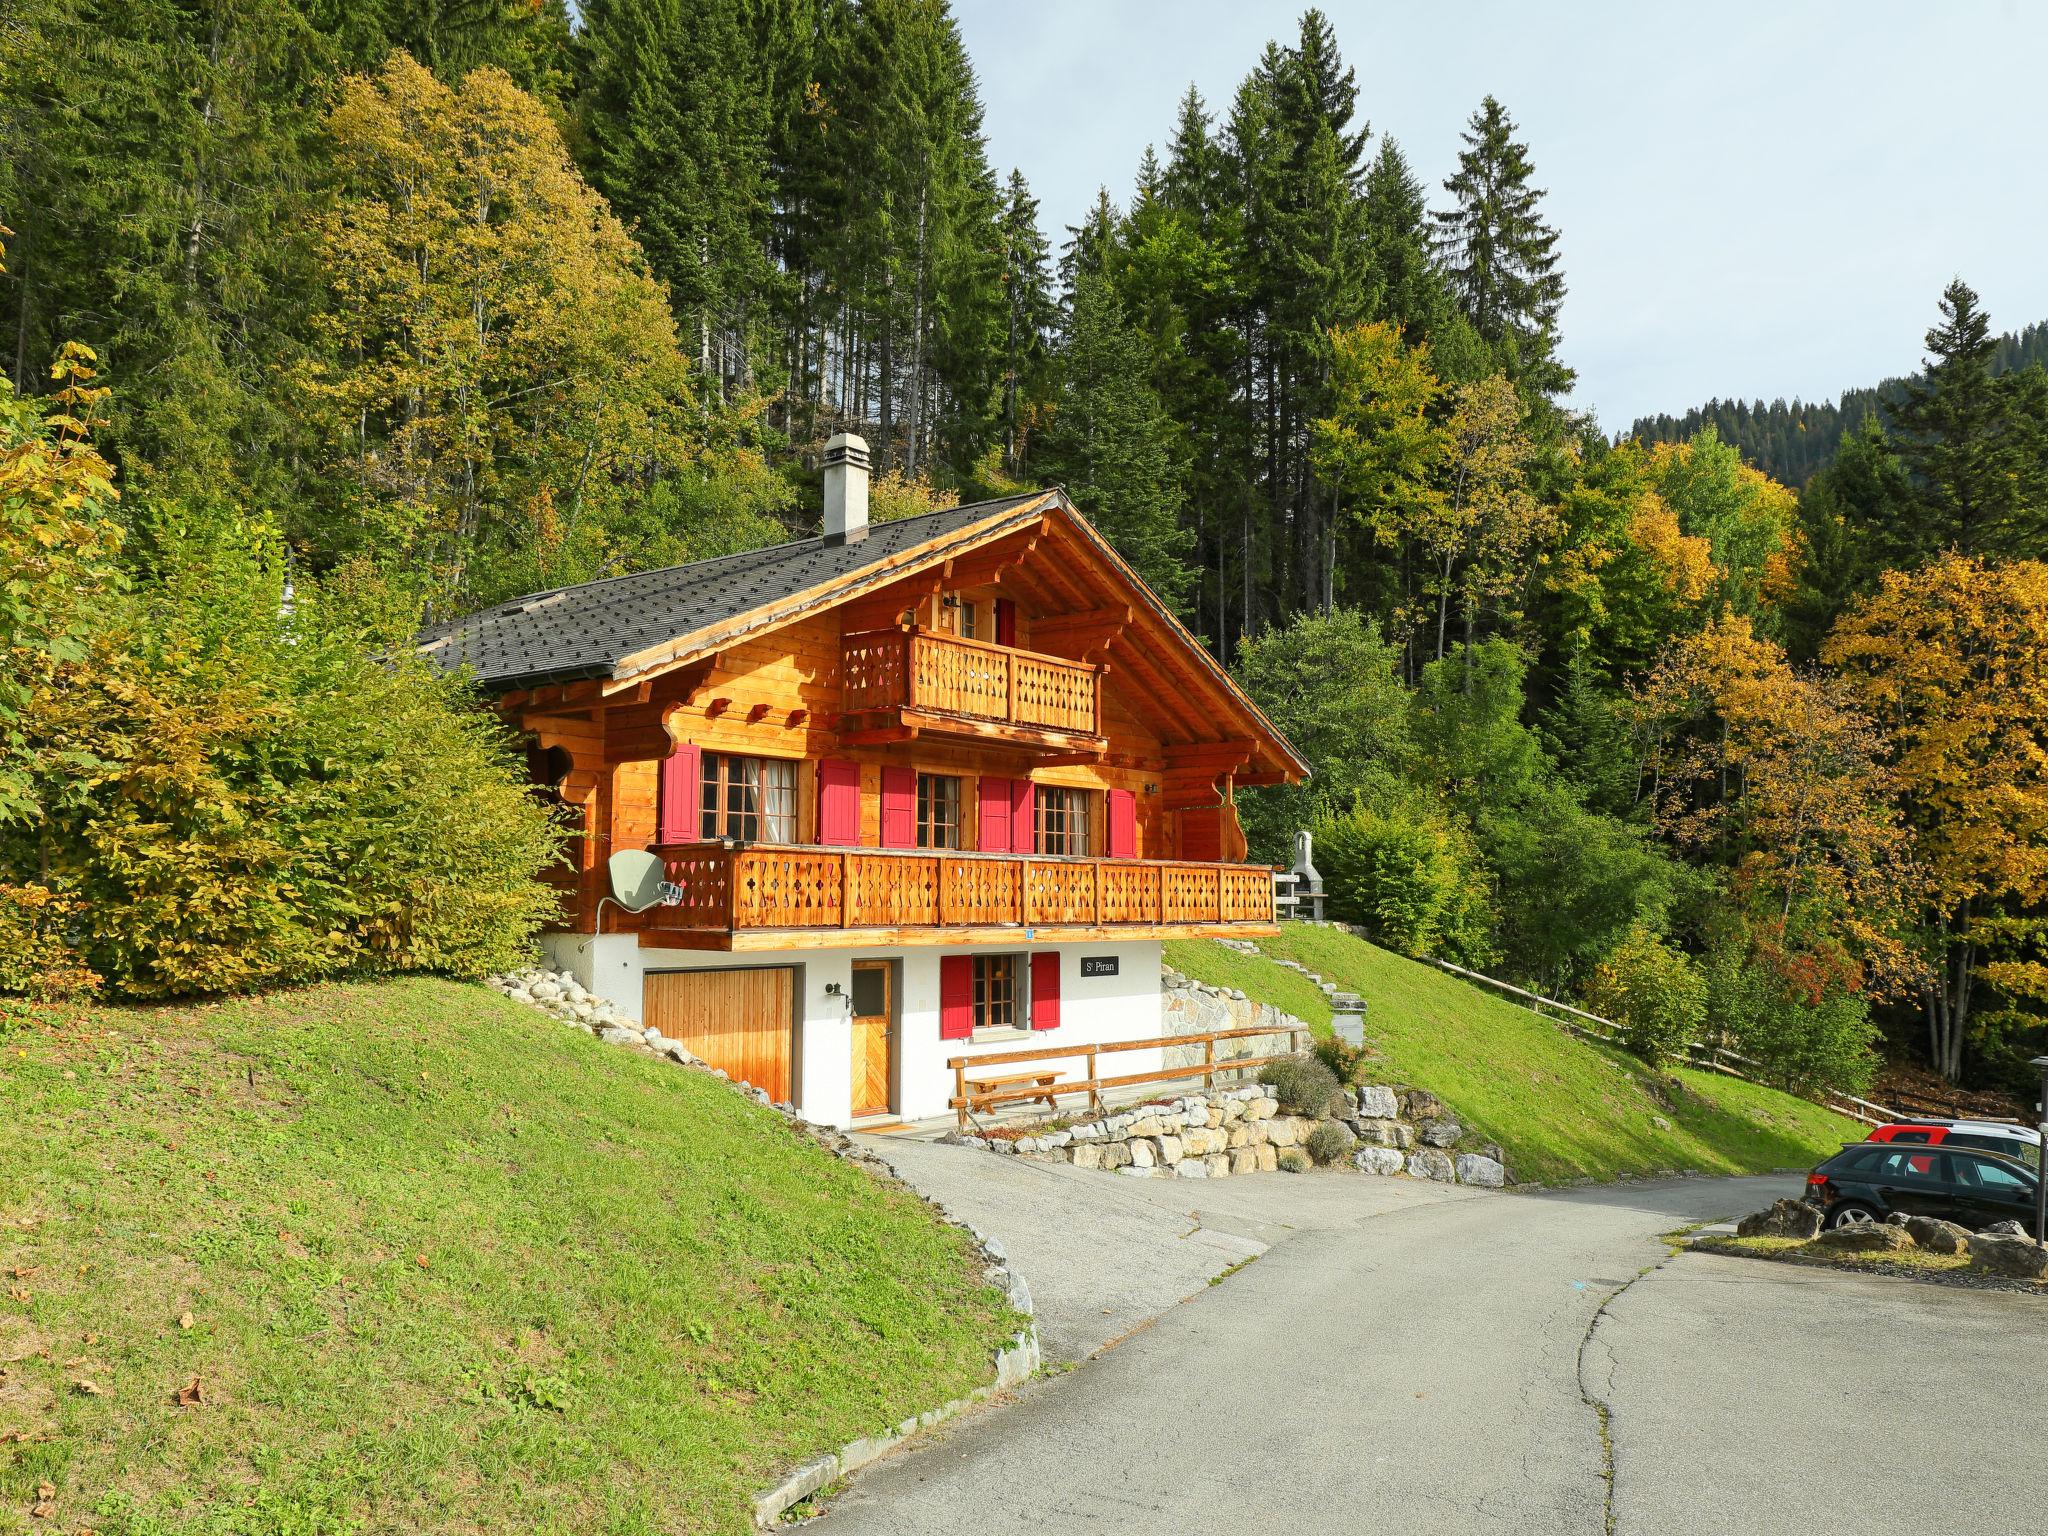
<point x="1907" y="1167"/>
<point x="2004" y="1146"/>
<point x="1982" y="1173"/>
<point x="1855" y="1160"/>
<point x="1912" y="1136"/>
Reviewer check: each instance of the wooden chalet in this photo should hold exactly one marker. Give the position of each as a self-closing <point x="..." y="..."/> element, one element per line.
<point x="958" y="755"/>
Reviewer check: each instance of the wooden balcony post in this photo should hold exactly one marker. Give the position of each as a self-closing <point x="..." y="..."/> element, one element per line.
<point x="1009" y="688"/>
<point x="845" y="890"/>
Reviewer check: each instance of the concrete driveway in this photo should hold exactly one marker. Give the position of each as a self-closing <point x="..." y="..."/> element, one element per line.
<point x="1410" y="1356"/>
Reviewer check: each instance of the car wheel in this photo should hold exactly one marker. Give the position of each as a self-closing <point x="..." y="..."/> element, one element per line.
<point x="1851" y="1215"/>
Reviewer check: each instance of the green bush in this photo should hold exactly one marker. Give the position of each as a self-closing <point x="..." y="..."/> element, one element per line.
<point x="1409" y="877"/>
<point x="1301" y="1084"/>
<point x="1654" y="992"/>
<point x="1805" y="1041"/>
<point x="1293" y="1160"/>
<point x="1330" y="1142"/>
<point x="268" y="801"/>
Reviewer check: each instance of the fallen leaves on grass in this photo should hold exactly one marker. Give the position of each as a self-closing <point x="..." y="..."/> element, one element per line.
<point x="18" y="1292"/>
<point x="46" y="1501"/>
<point x="191" y="1395"/>
<point x="20" y="1273"/>
<point x="420" y="1259"/>
<point x="85" y="1386"/>
<point x="185" y="1320"/>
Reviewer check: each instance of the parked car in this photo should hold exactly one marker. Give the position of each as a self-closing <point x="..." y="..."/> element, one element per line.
<point x="1869" y="1180"/>
<point x="2015" y="1141"/>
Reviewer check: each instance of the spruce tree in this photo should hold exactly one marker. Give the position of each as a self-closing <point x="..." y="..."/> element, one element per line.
<point x="1112" y="446"/>
<point x="1403" y="284"/>
<point x="1499" y="254"/>
<point x="1974" y="442"/>
<point x="1028" y="309"/>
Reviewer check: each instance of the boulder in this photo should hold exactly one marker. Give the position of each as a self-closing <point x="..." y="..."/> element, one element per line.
<point x="1191" y="1168"/>
<point x="612" y="1034"/>
<point x="1441" y="1132"/>
<point x="1388" y="1133"/>
<point x="1144" y="1152"/>
<point x="1866" y="1237"/>
<point x="1268" y="1158"/>
<point x="1283" y="1131"/>
<point x="1219" y="1165"/>
<point x="1785" y="1218"/>
<point x="1087" y="1155"/>
<point x="2004" y="1229"/>
<point x="1244" y="1160"/>
<point x="1420" y="1104"/>
<point x="1171" y="1150"/>
<point x="1482" y="1171"/>
<point x="1377" y="1160"/>
<point x="1938" y="1236"/>
<point x="1431" y="1164"/>
<point x="2019" y="1258"/>
<point x="1378" y="1103"/>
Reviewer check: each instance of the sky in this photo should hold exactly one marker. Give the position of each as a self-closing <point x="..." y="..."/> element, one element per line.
<point x="1754" y="200"/>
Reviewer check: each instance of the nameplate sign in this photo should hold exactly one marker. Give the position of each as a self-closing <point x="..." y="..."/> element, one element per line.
<point x="1098" y="965"/>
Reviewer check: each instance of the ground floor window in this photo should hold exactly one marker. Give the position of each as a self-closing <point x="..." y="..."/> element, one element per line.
<point x="1063" y="819"/>
<point x="995" y="992"/>
<point x="750" y="798"/>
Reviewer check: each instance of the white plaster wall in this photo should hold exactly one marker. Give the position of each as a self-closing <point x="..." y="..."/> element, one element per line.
<point x="1092" y="1010"/>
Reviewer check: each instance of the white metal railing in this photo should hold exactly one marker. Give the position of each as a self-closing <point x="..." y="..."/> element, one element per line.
<point x="1715" y="1058"/>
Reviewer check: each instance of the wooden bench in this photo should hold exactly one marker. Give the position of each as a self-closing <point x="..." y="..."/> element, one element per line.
<point x="1044" y="1080"/>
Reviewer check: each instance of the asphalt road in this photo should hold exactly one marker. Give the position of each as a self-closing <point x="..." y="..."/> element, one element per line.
<point x="1405" y="1356"/>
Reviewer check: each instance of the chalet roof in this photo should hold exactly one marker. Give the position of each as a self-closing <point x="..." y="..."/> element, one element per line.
<point x="589" y="630"/>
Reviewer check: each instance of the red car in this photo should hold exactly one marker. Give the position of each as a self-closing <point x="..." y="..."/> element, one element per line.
<point x="2014" y="1141"/>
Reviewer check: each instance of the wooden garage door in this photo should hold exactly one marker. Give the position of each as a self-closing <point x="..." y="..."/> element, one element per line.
<point x="739" y="1021"/>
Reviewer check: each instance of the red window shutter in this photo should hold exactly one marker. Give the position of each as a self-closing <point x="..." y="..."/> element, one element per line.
<point x="899" y="807"/>
<point x="676" y="817"/>
<point x="1045" y="990"/>
<point x="838" y="803"/>
<point x="956" y="997"/>
<point x="1123" y="824"/>
<point x="994" y="797"/>
<point x="1006" y="622"/>
<point x="1023" y="820"/>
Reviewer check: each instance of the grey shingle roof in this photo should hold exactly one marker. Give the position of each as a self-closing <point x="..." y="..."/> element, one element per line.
<point x="585" y="631"/>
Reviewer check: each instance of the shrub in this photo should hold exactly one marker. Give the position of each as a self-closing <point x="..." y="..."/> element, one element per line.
<point x="273" y="804"/>
<point x="1302" y="1084"/>
<point x="1654" y="992"/>
<point x="1342" y="1060"/>
<point x="1409" y="875"/>
<point x="35" y="960"/>
<point x="1293" y="1160"/>
<point x="1330" y="1142"/>
<point x="1809" y="1037"/>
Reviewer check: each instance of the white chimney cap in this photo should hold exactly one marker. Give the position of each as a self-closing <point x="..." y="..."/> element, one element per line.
<point x="846" y="489"/>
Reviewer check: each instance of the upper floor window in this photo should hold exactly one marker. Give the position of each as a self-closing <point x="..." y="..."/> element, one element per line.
<point x="963" y="616"/>
<point x="1063" y="819"/>
<point x="938" y="811"/>
<point x="750" y="798"/>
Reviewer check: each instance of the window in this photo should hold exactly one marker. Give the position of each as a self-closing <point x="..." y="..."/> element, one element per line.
<point x="749" y="798"/>
<point x="958" y="616"/>
<point x="938" y="811"/>
<point x="1913" y="1167"/>
<point x="1983" y="1174"/>
<point x="995" y="992"/>
<point x="1063" y="819"/>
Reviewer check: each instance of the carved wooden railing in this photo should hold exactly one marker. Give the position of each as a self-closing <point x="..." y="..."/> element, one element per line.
<point x="921" y="669"/>
<point x="727" y="889"/>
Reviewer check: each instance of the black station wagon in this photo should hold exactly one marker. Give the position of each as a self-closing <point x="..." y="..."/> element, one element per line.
<point x="1872" y="1179"/>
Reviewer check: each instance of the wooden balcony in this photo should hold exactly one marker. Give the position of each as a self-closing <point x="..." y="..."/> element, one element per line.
<point x="776" y="896"/>
<point x="899" y="683"/>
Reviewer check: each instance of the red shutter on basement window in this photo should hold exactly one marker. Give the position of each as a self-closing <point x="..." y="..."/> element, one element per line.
<point x="1123" y="824"/>
<point x="899" y="807"/>
<point x="1045" y="990"/>
<point x="1006" y="622"/>
<point x="994" y="833"/>
<point x="675" y="817"/>
<point x="1023" y="824"/>
<point x="838" y="803"/>
<point x="956" y="997"/>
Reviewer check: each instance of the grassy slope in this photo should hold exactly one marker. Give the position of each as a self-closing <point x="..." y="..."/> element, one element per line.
<point x="1560" y="1107"/>
<point x="449" y="1267"/>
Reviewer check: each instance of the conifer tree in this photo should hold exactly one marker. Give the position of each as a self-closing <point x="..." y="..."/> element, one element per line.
<point x="1404" y="287"/>
<point x="1499" y="254"/>
<point x="1028" y="309"/>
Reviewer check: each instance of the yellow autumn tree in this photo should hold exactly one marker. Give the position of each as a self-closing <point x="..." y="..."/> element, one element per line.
<point x="502" y="378"/>
<point x="1782" y="776"/>
<point x="1952" y="661"/>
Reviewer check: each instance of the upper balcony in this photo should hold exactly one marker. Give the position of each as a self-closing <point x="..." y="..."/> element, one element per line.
<point x="773" y="896"/>
<point x="900" y="683"/>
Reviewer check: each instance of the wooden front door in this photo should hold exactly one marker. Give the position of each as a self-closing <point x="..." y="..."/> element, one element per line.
<point x="739" y="1021"/>
<point x="873" y="1005"/>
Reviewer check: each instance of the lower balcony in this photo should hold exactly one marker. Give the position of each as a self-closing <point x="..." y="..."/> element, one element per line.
<point x="777" y="896"/>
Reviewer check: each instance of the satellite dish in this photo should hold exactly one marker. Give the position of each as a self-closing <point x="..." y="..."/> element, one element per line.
<point x="638" y="879"/>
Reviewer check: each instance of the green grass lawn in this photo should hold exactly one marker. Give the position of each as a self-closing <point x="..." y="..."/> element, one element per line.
<point x="438" y="1264"/>
<point x="1560" y="1107"/>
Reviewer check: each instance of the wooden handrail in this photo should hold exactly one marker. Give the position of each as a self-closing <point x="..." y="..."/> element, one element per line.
<point x="1093" y="1084"/>
<point x="926" y="632"/>
<point x="670" y="850"/>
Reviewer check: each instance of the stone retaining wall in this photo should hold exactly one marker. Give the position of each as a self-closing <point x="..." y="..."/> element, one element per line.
<point x="1189" y="1007"/>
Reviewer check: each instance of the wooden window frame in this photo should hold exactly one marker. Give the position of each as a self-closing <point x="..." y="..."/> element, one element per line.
<point x="997" y="1010"/>
<point x="939" y="813"/>
<point x="1063" y="820"/>
<point x="766" y="789"/>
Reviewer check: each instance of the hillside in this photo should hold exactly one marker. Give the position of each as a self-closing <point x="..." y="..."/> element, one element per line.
<point x="436" y="1264"/>
<point x="1562" y="1108"/>
<point x="1790" y="443"/>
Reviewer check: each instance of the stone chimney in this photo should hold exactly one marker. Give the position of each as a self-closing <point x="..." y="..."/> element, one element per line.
<point x="846" y="489"/>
